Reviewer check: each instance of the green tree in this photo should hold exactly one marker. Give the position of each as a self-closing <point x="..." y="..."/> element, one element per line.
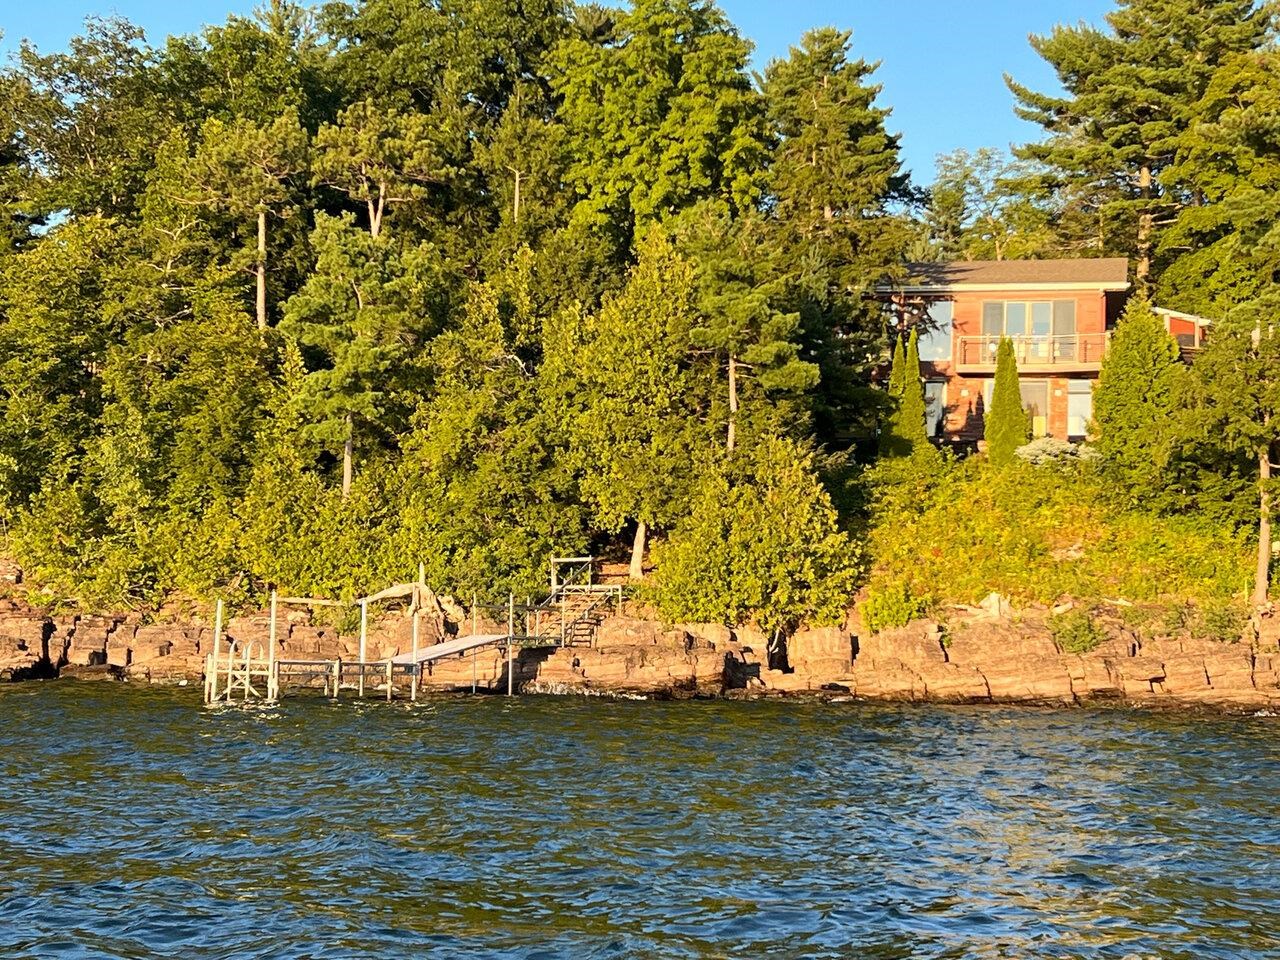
<point x="367" y="307"/>
<point x="378" y="156"/>
<point x="1128" y="102"/>
<point x="1005" y="424"/>
<point x="639" y="430"/>
<point x="978" y="209"/>
<point x="755" y="342"/>
<point x="248" y="171"/>
<point x="761" y="543"/>
<point x="660" y="117"/>
<point x="834" y="186"/>
<point x="1136" y="400"/>
<point x="890" y="440"/>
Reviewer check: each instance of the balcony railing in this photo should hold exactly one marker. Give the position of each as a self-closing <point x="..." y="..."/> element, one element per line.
<point x="1076" y="350"/>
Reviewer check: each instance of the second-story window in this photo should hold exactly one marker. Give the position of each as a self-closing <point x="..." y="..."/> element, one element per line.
<point x="1038" y="319"/>
<point x="935" y="332"/>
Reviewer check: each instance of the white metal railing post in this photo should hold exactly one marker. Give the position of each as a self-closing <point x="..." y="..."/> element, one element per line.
<point x="217" y="643"/>
<point x="511" y="630"/>
<point x="364" y="640"/>
<point x="272" y="679"/>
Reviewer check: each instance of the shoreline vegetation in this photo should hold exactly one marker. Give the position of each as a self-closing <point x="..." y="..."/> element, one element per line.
<point x="318" y="295"/>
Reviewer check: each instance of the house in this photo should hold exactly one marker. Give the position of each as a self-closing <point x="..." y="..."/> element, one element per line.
<point x="1059" y="314"/>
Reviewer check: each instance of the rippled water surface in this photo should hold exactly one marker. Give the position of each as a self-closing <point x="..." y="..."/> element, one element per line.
<point x="134" y="823"/>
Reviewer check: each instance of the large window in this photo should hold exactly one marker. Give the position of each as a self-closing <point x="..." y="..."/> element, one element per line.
<point x="935" y="333"/>
<point x="1043" y="330"/>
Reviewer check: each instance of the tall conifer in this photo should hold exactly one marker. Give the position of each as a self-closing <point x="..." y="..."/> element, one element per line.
<point x="1006" y="422"/>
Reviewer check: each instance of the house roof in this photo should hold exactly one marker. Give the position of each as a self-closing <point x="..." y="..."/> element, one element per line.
<point x="1111" y="273"/>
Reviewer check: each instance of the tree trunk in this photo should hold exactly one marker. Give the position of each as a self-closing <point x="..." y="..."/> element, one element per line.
<point x="348" y="451"/>
<point x="262" y="269"/>
<point x="733" y="403"/>
<point x="637" y="551"/>
<point x="1262" y="575"/>
<point x="1145" y="226"/>
<point x="375" y="213"/>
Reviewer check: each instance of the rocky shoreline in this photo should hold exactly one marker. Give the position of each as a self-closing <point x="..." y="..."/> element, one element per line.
<point x="978" y="657"/>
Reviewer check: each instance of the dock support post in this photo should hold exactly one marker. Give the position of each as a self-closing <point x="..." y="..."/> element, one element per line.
<point x="564" y="618"/>
<point x="337" y="677"/>
<point x="473" y="671"/>
<point x="217" y="645"/>
<point x="364" y="640"/>
<point x="511" y="630"/>
<point x="273" y="681"/>
<point x="413" y="679"/>
<point x="388" y="681"/>
<point x="209" y="668"/>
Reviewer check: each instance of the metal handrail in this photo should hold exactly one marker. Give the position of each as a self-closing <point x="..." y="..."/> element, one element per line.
<point x="1031" y="349"/>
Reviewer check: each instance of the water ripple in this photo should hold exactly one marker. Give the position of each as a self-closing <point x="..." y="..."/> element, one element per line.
<point x="135" y="824"/>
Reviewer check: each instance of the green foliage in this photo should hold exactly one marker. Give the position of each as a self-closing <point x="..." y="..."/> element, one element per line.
<point x="1005" y="425"/>
<point x="1075" y="631"/>
<point x="890" y="606"/>
<point x="1037" y="535"/>
<point x="760" y="543"/>
<point x="1135" y="403"/>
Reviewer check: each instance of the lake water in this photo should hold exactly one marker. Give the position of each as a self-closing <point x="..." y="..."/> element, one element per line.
<point x="134" y="823"/>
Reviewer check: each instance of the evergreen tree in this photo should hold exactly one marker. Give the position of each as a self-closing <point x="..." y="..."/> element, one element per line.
<point x="1128" y="103"/>
<point x="378" y="156"/>
<point x="833" y="184"/>
<point x="1136" y="401"/>
<point x="891" y="443"/>
<point x="754" y="340"/>
<point x="1005" y="425"/>
<point x="914" y="430"/>
<point x="368" y="304"/>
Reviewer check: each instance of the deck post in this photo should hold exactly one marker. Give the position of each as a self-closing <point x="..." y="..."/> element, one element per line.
<point x="273" y="681"/>
<point x="364" y="640"/>
<point x="217" y="644"/>
<point x="564" y="617"/>
<point x="475" y="617"/>
<point x="337" y="676"/>
<point x="511" y="630"/>
<point x="388" y="681"/>
<point x="209" y="667"/>
<point x="473" y="670"/>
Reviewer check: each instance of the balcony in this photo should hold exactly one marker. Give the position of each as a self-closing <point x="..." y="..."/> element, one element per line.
<point x="1080" y="352"/>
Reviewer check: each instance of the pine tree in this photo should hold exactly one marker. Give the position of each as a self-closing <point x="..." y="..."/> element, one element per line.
<point x="913" y="411"/>
<point x="834" y="181"/>
<point x="891" y="444"/>
<point x="1135" y="402"/>
<point x="1130" y="93"/>
<point x="1005" y="424"/>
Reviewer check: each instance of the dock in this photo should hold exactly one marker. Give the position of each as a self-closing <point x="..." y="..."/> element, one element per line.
<point x="254" y="670"/>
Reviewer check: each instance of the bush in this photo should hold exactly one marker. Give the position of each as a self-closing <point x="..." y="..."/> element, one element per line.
<point x="1036" y="534"/>
<point x="1076" y="631"/>
<point x="1050" y="451"/>
<point x="891" y="606"/>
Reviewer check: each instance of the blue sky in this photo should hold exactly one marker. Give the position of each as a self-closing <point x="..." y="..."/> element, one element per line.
<point x="942" y="61"/>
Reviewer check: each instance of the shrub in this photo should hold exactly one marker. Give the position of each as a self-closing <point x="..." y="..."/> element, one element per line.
<point x="1076" y="631"/>
<point x="1050" y="451"/>
<point x="1036" y="534"/>
<point x="891" y="606"/>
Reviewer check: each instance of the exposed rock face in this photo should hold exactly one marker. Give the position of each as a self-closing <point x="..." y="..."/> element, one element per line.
<point x="981" y="657"/>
